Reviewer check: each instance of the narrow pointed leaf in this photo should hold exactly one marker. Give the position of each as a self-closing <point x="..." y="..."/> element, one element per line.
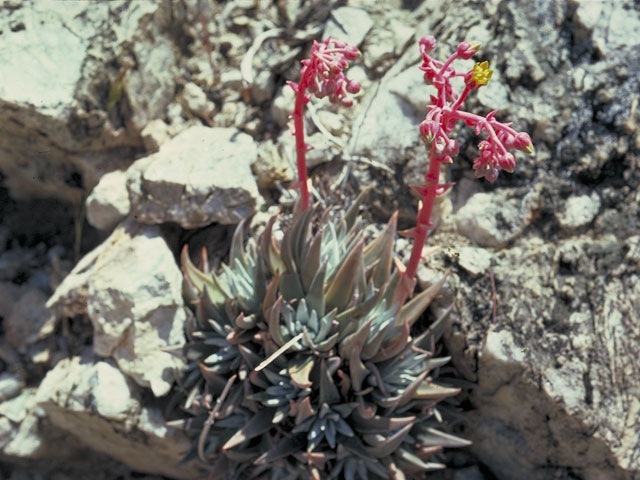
<point x="433" y="391"/>
<point x="328" y="391"/>
<point x="342" y="285"/>
<point x="435" y="438"/>
<point x="259" y="423"/>
<point x="390" y="444"/>
<point x="197" y="278"/>
<point x="236" y="252"/>
<point x="299" y="370"/>
<point x="415" y="463"/>
<point x="311" y="262"/>
<point x="412" y="310"/>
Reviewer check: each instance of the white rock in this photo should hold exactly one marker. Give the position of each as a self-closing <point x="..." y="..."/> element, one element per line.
<point x="93" y="401"/>
<point x="16" y="409"/>
<point x="202" y="176"/>
<point x="493" y="219"/>
<point x="50" y="126"/>
<point x="134" y="316"/>
<point x="579" y="211"/>
<point x="154" y="135"/>
<point x="108" y="203"/>
<point x="474" y="260"/>
<point x="197" y="102"/>
<point x="10" y="385"/>
<point x="349" y="25"/>
<point x="282" y="106"/>
<point x="386" y="129"/>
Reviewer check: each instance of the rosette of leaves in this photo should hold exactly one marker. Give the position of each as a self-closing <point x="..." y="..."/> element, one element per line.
<point x="299" y="364"/>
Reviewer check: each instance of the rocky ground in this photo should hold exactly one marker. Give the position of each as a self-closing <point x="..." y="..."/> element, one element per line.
<point x="107" y="111"/>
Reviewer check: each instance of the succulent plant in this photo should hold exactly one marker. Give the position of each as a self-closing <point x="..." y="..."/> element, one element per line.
<point x="300" y="365"/>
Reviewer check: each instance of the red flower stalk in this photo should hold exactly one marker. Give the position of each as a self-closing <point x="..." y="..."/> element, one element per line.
<point x="444" y="112"/>
<point x="322" y="75"/>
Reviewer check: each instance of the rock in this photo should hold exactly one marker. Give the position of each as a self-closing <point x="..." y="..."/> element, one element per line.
<point x="108" y="203"/>
<point x="59" y="138"/>
<point x="10" y="385"/>
<point x="134" y="316"/>
<point x="474" y="260"/>
<point x="549" y="367"/>
<point x="387" y="128"/>
<point x="493" y="220"/>
<point x="29" y="321"/>
<point x="579" y="211"/>
<point x="271" y="166"/>
<point x="349" y="25"/>
<point x="154" y="135"/>
<point x="203" y="175"/>
<point x="197" y="102"/>
<point x="262" y="87"/>
<point x="282" y="106"/>
<point x="19" y="420"/>
<point x="94" y="401"/>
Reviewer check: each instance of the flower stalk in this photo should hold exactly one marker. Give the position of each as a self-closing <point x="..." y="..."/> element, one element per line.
<point x="322" y="75"/>
<point x="439" y="123"/>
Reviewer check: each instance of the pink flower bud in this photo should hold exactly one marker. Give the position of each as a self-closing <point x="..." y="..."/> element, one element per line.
<point x="428" y="43"/>
<point x="466" y="50"/>
<point x="507" y="162"/>
<point x="353" y="86"/>
<point x="429" y="129"/>
<point x="522" y="142"/>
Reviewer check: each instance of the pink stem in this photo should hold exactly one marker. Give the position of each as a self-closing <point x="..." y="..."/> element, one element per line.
<point x="301" y="148"/>
<point x="421" y="231"/>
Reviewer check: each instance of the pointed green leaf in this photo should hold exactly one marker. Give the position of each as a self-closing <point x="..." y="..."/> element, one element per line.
<point x="286" y="446"/>
<point x="274" y="323"/>
<point x="381" y="250"/>
<point x="382" y="448"/>
<point x="311" y="261"/>
<point x="379" y="424"/>
<point x="415" y="463"/>
<point x="299" y="370"/>
<point x="290" y="287"/>
<point x="355" y="340"/>
<point x="436" y="438"/>
<point x="352" y="213"/>
<point x="342" y="285"/>
<point x="432" y="391"/>
<point x="328" y="390"/>
<point x="236" y="252"/>
<point x="261" y="422"/>
<point x="270" y="250"/>
<point x="197" y="278"/>
<point x="412" y="310"/>
<point x="394" y="347"/>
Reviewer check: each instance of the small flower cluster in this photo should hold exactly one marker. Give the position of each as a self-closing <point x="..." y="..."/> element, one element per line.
<point x="444" y="112"/>
<point x="322" y="73"/>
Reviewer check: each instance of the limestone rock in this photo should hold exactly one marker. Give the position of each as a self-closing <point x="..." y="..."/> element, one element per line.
<point x="108" y="203"/>
<point x="154" y="135"/>
<point x="549" y="367"/>
<point x="58" y="138"/>
<point x="134" y="315"/>
<point x="494" y="219"/>
<point x="203" y="175"/>
<point x="349" y="25"/>
<point x="197" y="102"/>
<point x="95" y="402"/>
<point x="579" y="211"/>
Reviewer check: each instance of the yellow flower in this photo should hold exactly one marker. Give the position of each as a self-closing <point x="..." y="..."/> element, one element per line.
<point x="481" y="73"/>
